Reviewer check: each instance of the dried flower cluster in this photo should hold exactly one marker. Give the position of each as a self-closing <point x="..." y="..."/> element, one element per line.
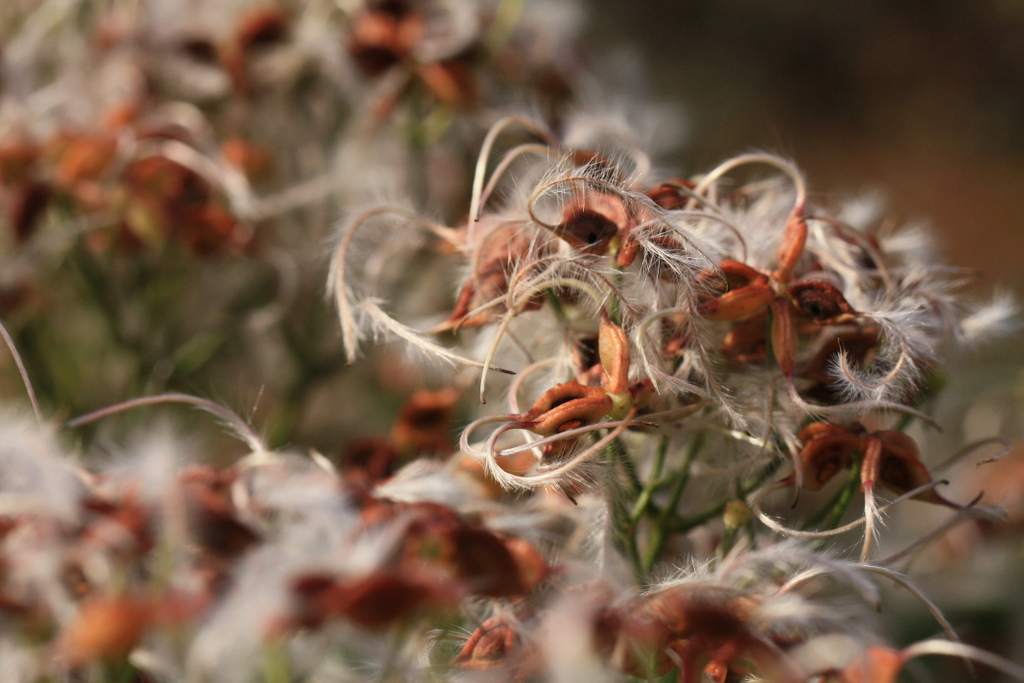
<point x="656" y="404"/>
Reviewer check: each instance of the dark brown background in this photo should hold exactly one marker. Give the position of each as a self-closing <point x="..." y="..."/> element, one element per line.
<point x="922" y="99"/>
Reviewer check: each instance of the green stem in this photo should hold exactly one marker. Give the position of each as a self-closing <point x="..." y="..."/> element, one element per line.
<point x="683" y="524"/>
<point x="643" y="502"/>
<point x="621" y="457"/>
<point x="662" y="527"/>
<point x="725" y="544"/>
<point x="625" y="528"/>
<point x="613" y="303"/>
<point x="276" y="667"/>
<point x="557" y="306"/>
<point x="844" y="497"/>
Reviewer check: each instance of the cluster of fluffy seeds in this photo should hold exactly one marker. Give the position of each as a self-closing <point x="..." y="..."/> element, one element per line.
<point x="717" y="328"/>
<point x="661" y="399"/>
<point x="285" y="566"/>
<point x="735" y="302"/>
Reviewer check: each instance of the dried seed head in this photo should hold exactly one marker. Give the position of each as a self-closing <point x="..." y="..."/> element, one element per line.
<point x="565" y="407"/>
<point x="828" y="449"/>
<point x="424" y="425"/>
<point x="591" y="219"/>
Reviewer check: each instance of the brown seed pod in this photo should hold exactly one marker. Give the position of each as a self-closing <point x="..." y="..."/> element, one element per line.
<point x="821" y="302"/>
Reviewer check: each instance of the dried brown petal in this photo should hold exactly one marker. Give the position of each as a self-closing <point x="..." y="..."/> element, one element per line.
<point x="876" y="665"/>
<point x="27" y="208"/>
<point x="670" y="196"/>
<point x="591" y="219"/>
<point x="791" y="246"/>
<point x="488" y="646"/>
<point x="450" y="81"/>
<point x="213" y="524"/>
<point x="369" y="460"/>
<point x="565" y="407"/>
<point x="821" y="302"/>
<point x="261" y="28"/>
<point x="739" y="304"/>
<point x="613" y="347"/>
<point x="532" y="566"/>
<point x="783" y="336"/>
<point x="17" y="159"/>
<point x="383" y="37"/>
<point x="384" y="598"/>
<point x="484" y="563"/>
<point x="828" y="449"/>
<point x="84" y="158"/>
<point x="900" y="468"/>
<point x="105" y="627"/>
<point x="502" y="246"/>
<point x="424" y="424"/>
<point x="748" y="341"/>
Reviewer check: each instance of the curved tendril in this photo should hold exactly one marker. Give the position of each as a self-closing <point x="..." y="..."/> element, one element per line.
<point x="517" y="383"/>
<point x="938" y="646"/>
<point x="725" y="403"/>
<point x="22" y="372"/>
<point x="629" y="147"/>
<point x="240" y="427"/>
<point x="492" y="441"/>
<point x="476" y="248"/>
<point x="220" y="175"/>
<point x="561" y="436"/>
<point x="899" y="578"/>
<point x="295" y="196"/>
<point x="680" y="232"/>
<point x="546" y="475"/>
<point x="408" y="334"/>
<point x="1005" y="443"/>
<point x="641" y="328"/>
<point x="464" y="445"/>
<point x="533" y="289"/>
<point x="866" y="245"/>
<point x="338" y="266"/>
<point x="678" y="384"/>
<point x="968" y="510"/>
<point x="729" y="225"/>
<point x="850" y="376"/>
<point x="871" y="515"/>
<point x="506" y="296"/>
<point x="485" y="152"/>
<point x="503" y="166"/>
<point x="865" y="587"/>
<point x="757" y="501"/>
<point x="654" y="372"/>
<point x="512" y="303"/>
<point x="755" y="158"/>
<point x="506" y="320"/>
<point x="610" y="187"/>
<point x="625" y="196"/>
<point x="812" y="409"/>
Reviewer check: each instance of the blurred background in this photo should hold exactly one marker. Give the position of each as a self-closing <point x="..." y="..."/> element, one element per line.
<point x="921" y="100"/>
